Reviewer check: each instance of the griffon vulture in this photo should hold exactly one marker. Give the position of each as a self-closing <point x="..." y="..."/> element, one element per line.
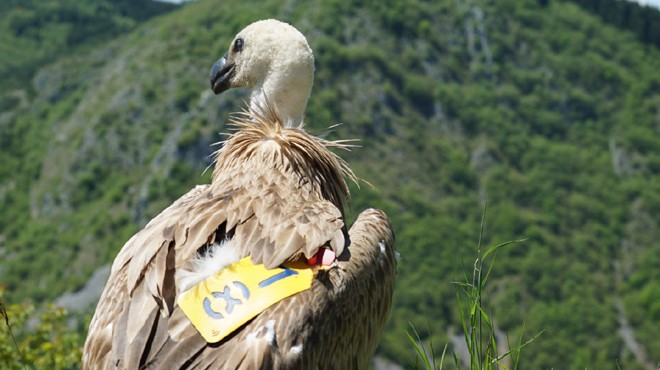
<point x="277" y="196"/>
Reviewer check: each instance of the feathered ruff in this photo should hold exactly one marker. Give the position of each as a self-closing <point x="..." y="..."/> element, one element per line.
<point x="289" y="185"/>
<point x="264" y="134"/>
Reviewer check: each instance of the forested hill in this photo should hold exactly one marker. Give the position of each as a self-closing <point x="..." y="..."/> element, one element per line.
<point x="35" y="32"/>
<point x="643" y="20"/>
<point x="538" y="107"/>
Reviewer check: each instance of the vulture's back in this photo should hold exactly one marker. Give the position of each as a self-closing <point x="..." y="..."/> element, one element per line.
<point x="277" y="195"/>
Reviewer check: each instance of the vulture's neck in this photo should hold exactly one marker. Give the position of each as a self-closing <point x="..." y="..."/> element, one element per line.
<point x="288" y="92"/>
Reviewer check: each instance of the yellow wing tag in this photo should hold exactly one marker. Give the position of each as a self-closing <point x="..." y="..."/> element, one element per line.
<point x="223" y="302"/>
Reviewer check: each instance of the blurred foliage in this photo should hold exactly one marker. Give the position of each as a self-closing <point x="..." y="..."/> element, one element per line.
<point x="37" y="339"/>
<point x="638" y="17"/>
<point x="35" y="32"/>
<point x="483" y="350"/>
<point x="540" y="107"/>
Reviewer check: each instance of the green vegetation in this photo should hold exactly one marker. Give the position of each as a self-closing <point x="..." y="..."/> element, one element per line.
<point x="546" y="110"/>
<point x="483" y="349"/>
<point x="642" y="20"/>
<point x="48" y="344"/>
<point x="34" y="32"/>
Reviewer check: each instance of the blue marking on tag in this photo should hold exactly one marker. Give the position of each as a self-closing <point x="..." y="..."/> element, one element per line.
<point x="275" y="278"/>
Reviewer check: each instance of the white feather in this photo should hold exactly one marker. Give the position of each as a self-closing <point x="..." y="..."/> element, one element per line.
<point x="218" y="256"/>
<point x="270" y="333"/>
<point x="381" y="244"/>
<point x="296" y="350"/>
<point x="269" y="336"/>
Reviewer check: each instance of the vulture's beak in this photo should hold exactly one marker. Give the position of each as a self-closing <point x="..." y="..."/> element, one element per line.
<point x="221" y="74"/>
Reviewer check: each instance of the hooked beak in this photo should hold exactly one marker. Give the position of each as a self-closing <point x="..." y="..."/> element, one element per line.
<point x="221" y="74"/>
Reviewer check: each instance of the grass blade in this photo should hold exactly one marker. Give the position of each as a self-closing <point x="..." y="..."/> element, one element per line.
<point x="419" y="347"/>
<point x="518" y="348"/>
<point x="498" y="246"/>
<point x="3" y="313"/>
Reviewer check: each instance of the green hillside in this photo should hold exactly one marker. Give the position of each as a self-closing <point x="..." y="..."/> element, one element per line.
<point x="545" y="111"/>
<point x="35" y="32"/>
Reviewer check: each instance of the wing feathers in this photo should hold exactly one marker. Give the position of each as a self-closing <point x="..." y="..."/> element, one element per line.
<point x="141" y="305"/>
<point x="288" y="334"/>
<point x="338" y="242"/>
<point x="160" y="337"/>
<point x="139" y="348"/>
<point x="276" y="198"/>
<point x="179" y="327"/>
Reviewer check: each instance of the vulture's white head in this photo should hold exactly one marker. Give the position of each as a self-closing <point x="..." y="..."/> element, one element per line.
<point x="274" y="61"/>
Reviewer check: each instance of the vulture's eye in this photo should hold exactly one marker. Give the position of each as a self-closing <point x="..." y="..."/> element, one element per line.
<point x="238" y="45"/>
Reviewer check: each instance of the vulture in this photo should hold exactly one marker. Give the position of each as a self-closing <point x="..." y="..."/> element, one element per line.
<point x="256" y="270"/>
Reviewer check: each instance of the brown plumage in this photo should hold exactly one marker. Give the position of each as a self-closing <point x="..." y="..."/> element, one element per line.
<point x="278" y="194"/>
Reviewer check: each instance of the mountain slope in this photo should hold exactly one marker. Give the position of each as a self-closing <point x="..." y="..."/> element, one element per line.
<point x="33" y="33"/>
<point x="545" y="111"/>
